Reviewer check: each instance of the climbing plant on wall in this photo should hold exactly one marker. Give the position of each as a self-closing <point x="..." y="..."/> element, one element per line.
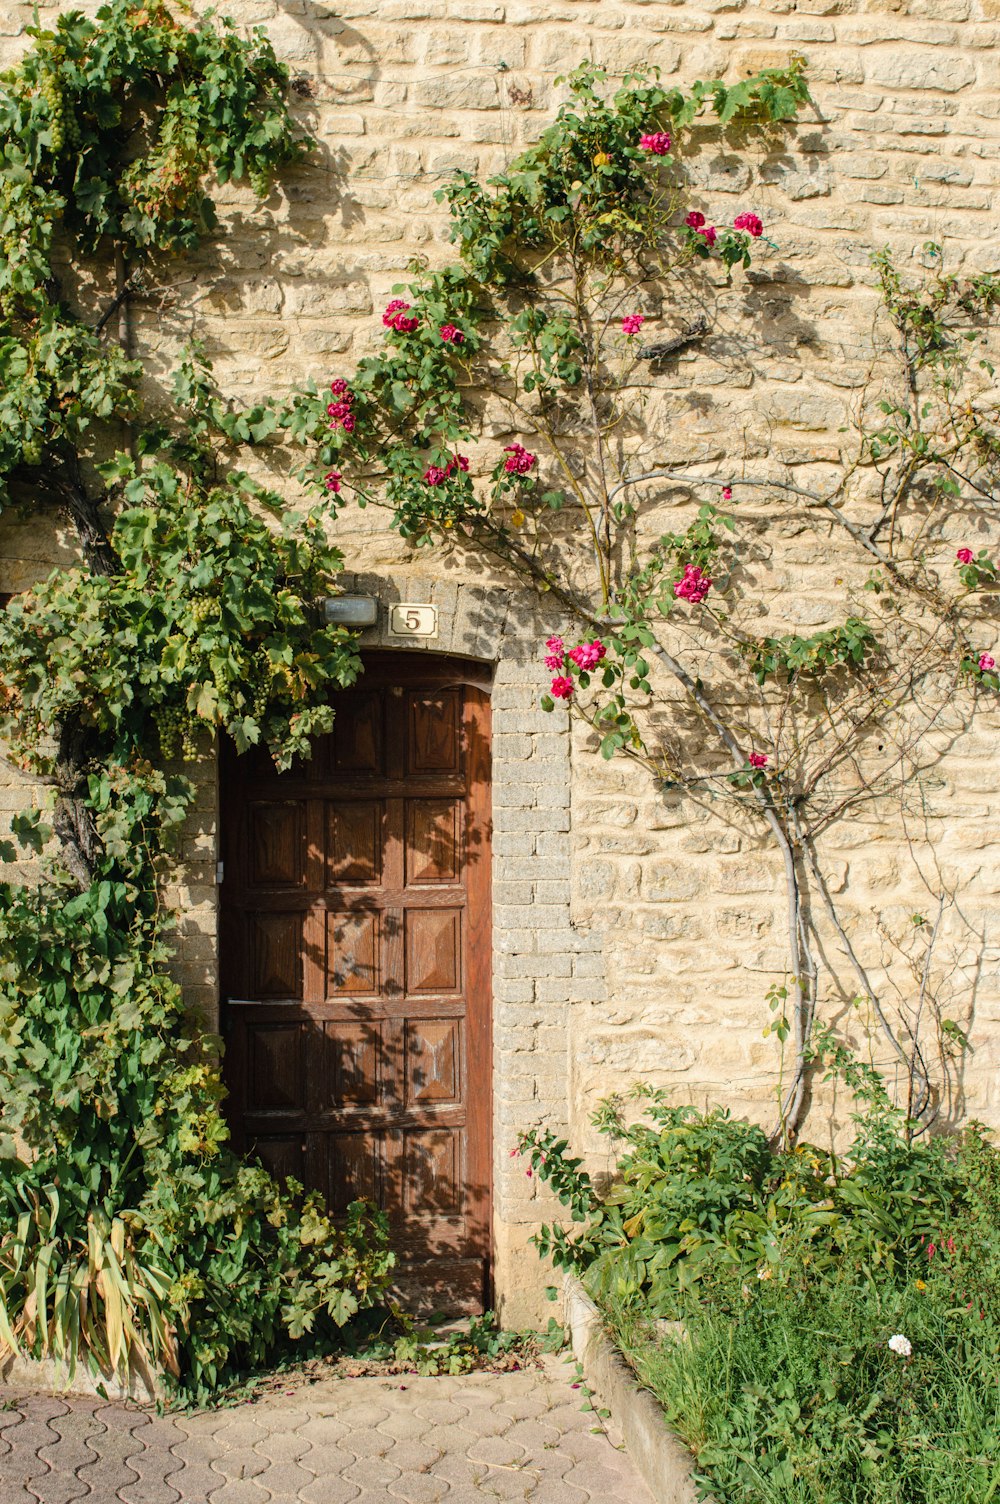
<point x="128" y="1232"/>
<point x="516" y="410"/>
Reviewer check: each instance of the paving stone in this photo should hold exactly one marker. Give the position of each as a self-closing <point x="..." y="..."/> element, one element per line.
<point x="284" y="1478"/>
<point x="240" y="1432"/>
<point x="320" y="1460"/>
<point x="15" y="1493"/>
<point x="195" y="1482"/>
<point x="331" y="1490"/>
<point x="404" y="1427"/>
<point x="58" y="1488"/>
<point x="459" y="1470"/>
<point x="359" y="1414"/>
<point x="239" y="1463"/>
<point x="367" y="1442"/>
<point x="323" y="1430"/>
<point x="240" y="1491"/>
<point x="466" y="1493"/>
<point x="413" y="1455"/>
<point x="592" y="1477"/>
<point x="368" y="1472"/>
<point x="454" y="1440"/>
<point x="557" y="1491"/>
<point x="75" y="1445"/>
<point x="442" y="1412"/>
<point x="192" y="1450"/>
<point x="533" y="1434"/>
<point x="451" y="1438"/>
<point x="154" y="1488"/>
<point x="420" y="1488"/>
<point x="499" y="1450"/>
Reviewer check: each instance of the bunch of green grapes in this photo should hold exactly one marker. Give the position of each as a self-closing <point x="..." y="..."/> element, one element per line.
<point x="63" y="128"/>
<point x="171" y="726"/>
<point x="205" y="608"/>
<point x="260" y="181"/>
<point x="178" y="731"/>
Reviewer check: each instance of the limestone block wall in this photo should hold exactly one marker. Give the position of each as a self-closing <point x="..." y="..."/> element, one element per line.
<point x="635" y="934"/>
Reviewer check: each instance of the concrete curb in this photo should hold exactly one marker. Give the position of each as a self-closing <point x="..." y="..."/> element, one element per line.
<point x="46" y="1376"/>
<point x="664" y="1462"/>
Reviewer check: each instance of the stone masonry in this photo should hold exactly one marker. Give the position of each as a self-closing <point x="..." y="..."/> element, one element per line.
<point x="634" y="936"/>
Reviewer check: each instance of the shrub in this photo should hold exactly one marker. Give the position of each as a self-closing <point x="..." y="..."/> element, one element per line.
<point x="127" y="1228"/>
<point x="791" y="1271"/>
<point x="694" y="1192"/>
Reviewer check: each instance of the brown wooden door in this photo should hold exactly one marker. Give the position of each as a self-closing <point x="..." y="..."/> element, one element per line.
<point x="356" y="965"/>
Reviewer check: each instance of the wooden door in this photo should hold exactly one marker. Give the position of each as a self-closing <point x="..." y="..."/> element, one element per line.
<point x="356" y="966"/>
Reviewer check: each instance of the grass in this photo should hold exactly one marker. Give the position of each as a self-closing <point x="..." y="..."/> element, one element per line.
<point x="790" y="1393"/>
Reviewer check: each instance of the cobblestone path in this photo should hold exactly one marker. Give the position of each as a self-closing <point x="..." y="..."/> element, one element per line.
<point x="400" y="1440"/>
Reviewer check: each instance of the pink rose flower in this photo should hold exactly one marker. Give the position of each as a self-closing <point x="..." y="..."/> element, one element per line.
<point x="588" y="655"/>
<point x="727" y="493"/>
<point x="459" y="462"/>
<point x="554" y="644"/>
<point x="338" y="385"/>
<point x="562" y="687"/>
<point x="451" y="335"/>
<point x="392" y="309"/>
<point x="694" y="586"/>
<point x="658" y="143"/>
<point x="695" y="220"/>
<point x="332" y="480"/>
<point x="338" y="410"/>
<point x="709" y="233"/>
<point x="553" y="661"/>
<point x="757" y="760"/>
<point x="633" y="322"/>
<point x="434" y="475"/>
<point x="395" y="317"/>
<point x="520" y="461"/>
<point x="987" y="663"/>
<point x="752" y="223"/>
<point x="347" y="424"/>
<point x="964" y="556"/>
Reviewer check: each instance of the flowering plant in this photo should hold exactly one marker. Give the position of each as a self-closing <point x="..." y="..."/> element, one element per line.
<point x="663" y="564"/>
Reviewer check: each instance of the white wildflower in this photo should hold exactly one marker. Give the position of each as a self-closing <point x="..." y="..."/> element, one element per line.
<point x="901" y="1345"/>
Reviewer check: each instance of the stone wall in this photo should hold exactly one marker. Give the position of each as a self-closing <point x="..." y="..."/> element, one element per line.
<point x="635" y="935"/>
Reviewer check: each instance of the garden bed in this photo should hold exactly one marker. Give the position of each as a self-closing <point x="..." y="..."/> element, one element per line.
<point x="814" y="1328"/>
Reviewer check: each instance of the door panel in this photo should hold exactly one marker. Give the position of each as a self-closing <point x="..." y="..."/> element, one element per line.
<point x="355" y="959"/>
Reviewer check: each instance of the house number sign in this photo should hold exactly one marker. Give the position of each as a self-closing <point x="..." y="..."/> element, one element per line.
<point x="408" y="620"/>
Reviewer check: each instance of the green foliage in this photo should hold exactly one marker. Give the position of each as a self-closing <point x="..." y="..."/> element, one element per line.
<point x="790" y="1272"/>
<point x="210" y="624"/>
<point x="109" y="128"/>
<point x="128" y="1231"/>
<point x="481" y="1342"/>
<point x="695" y="1193"/>
<point x="853" y="644"/>
<point x="794" y="1394"/>
<point x="587" y="186"/>
<point x="126" y="1225"/>
<point x="120" y="118"/>
<point x="586" y="192"/>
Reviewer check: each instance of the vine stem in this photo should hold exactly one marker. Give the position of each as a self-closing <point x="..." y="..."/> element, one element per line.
<point x="857" y="965"/>
<point x="803" y="963"/>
